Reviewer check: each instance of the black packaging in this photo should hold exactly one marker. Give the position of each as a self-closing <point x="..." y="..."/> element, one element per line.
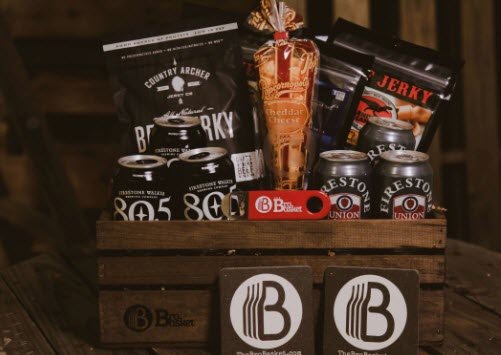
<point x="410" y="82"/>
<point x="191" y="68"/>
<point x="342" y="78"/>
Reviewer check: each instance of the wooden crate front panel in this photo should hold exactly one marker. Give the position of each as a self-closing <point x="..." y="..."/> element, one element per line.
<point x="203" y="270"/>
<point x="199" y="311"/>
<point x="363" y="234"/>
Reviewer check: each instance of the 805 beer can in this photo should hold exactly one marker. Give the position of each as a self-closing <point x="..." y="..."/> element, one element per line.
<point x="208" y="175"/>
<point x="172" y="136"/>
<point x="345" y="175"/>
<point x="141" y="189"/>
<point x="404" y="184"/>
<point x="381" y="134"/>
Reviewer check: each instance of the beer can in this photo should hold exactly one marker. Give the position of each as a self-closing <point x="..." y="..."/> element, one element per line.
<point x="345" y="175"/>
<point x="403" y="185"/>
<point x="207" y="175"/>
<point x="381" y="134"/>
<point x="172" y="136"/>
<point x="141" y="189"/>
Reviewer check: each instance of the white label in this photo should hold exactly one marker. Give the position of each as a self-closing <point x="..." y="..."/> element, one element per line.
<point x="247" y="166"/>
<point x="169" y="37"/>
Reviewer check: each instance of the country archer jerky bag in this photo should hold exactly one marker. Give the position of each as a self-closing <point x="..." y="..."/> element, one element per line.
<point x="191" y="68"/>
<point x="409" y="83"/>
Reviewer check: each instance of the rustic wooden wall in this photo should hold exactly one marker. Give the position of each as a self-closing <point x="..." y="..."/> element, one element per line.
<point x="59" y="41"/>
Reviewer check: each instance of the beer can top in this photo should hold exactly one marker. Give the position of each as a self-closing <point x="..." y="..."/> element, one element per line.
<point x="177" y="121"/>
<point x="391" y="124"/>
<point x="405" y="156"/>
<point x="343" y="156"/>
<point x="203" y="155"/>
<point x="141" y="161"/>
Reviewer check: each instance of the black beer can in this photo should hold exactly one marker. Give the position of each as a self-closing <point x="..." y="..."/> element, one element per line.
<point x="172" y="136"/>
<point x="403" y="185"/>
<point x="345" y="175"/>
<point x="381" y="134"/>
<point x="141" y="189"/>
<point x="207" y="175"/>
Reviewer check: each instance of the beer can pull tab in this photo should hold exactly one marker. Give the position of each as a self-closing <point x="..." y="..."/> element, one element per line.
<point x="276" y="205"/>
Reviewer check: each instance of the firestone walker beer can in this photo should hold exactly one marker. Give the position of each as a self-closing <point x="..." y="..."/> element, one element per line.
<point x="172" y="136"/>
<point x="403" y="181"/>
<point x="345" y="175"/>
<point x="141" y="189"/>
<point x="208" y="175"/>
<point x="381" y="134"/>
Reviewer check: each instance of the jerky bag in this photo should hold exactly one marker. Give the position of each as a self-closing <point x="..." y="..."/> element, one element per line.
<point x="192" y="68"/>
<point x="342" y="77"/>
<point x="410" y="83"/>
<point x="287" y="70"/>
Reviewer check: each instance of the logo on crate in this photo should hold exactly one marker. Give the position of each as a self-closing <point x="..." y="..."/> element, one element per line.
<point x="409" y="207"/>
<point x="266" y="311"/>
<point x="345" y="206"/>
<point x="140" y="318"/>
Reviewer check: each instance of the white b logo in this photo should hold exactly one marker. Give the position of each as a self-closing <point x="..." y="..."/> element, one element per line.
<point x="263" y="204"/>
<point x="266" y="311"/>
<point x="370" y="312"/>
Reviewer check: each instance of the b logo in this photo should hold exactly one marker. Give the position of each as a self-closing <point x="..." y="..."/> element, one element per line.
<point x="370" y="312"/>
<point x="266" y="311"/>
<point x="138" y="318"/>
<point x="263" y="204"/>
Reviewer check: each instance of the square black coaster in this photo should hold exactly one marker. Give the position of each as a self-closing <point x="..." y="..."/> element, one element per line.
<point x="266" y="311"/>
<point x="371" y="311"/>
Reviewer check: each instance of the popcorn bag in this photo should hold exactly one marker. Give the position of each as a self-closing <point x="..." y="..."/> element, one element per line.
<point x="287" y="69"/>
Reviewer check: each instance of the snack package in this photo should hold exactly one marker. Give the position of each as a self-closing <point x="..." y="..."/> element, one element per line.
<point x="193" y="68"/>
<point x="287" y="69"/>
<point x="410" y="83"/>
<point x="342" y="77"/>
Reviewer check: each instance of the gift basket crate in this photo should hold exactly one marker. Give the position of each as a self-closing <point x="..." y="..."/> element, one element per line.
<point x="158" y="280"/>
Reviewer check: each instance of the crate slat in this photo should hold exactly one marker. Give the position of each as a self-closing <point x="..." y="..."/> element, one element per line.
<point x="196" y="306"/>
<point x="367" y="234"/>
<point x="357" y="11"/>
<point x="203" y="270"/>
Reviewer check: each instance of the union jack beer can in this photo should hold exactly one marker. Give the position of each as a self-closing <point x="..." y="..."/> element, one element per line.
<point x="141" y="189"/>
<point x="382" y="134"/>
<point x="206" y="176"/>
<point x="404" y="185"/>
<point x="172" y="136"/>
<point x="345" y="175"/>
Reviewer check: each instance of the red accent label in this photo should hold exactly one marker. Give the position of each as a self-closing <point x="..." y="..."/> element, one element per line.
<point x="287" y="205"/>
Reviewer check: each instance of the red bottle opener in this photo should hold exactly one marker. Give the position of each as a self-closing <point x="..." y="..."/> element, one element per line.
<point x="276" y="205"/>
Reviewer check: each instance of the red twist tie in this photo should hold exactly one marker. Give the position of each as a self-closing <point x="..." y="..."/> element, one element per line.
<point x="280" y="35"/>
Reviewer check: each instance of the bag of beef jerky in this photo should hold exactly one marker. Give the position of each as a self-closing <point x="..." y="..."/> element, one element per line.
<point x="343" y="75"/>
<point x="410" y="82"/>
<point x="191" y="68"/>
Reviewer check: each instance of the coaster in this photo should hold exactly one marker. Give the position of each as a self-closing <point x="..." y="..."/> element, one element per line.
<point x="266" y="310"/>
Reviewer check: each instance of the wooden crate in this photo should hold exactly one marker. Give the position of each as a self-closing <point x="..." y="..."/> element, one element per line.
<point x="171" y="268"/>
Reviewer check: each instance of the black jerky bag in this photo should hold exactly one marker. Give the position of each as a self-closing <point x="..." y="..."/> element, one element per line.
<point x="409" y="83"/>
<point x="342" y="77"/>
<point x="191" y="68"/>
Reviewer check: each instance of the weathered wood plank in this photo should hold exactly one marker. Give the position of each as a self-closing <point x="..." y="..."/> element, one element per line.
<point x="418" y="24"/>
<point x="203" y="270"/>
<point x="357" y="11"/>
<point x="480" y="284"/>
<point x="59" y="302"/>
<point x="203" y="317"/>
<point x="481" y="121"/>
<point x="30" y="126"/>
<point x="19" y="335"/>
<point x="84" y="19"/>
<point x="469" y="329"/>
<point x="367" y="234"/>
